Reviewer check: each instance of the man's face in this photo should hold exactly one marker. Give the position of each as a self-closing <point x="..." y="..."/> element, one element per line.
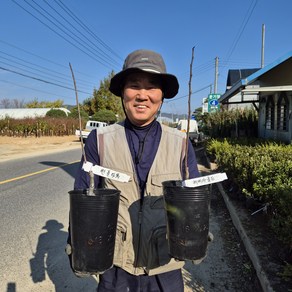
<point x="142" y="97"/>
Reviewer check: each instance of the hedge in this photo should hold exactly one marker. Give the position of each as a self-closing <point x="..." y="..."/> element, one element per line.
<point x="262" y="171"/>
<point x="46" y="126"/>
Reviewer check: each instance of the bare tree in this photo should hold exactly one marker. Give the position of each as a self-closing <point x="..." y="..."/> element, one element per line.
<point x="18" y="103"/>
<point x="5" y="103"/>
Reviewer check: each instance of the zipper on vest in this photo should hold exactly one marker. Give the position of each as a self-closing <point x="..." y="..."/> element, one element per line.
<point x="139" y="233"/>
<point x="140" y="214"/>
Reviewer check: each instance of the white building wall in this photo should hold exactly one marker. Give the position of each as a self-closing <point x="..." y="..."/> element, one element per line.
<point x="22" y="113"/>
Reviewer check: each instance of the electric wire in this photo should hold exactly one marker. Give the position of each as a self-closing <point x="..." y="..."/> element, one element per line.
<point x="31" y="72"/>
<point x="79" y="22"/>
<point x="47" y="60"/>
<point x="85" y="27"/>
<point x="55" y="73"/>
<point x="60" y="35"/>
<point x="241" y="30"/>
<point x="23" y="70"/>
<point x="42" y="58"/>
<point x="202" y="68"/>
<point x="28" y="71"/>
<point x="91" y="45"/>
<point x="193" y="92"/>
<point x="224" y="63"/>
<point x="39" y="79"/>
<point x="75" y="38"/>
<point x="199" y="70"/>
<point x="37" y="90"/>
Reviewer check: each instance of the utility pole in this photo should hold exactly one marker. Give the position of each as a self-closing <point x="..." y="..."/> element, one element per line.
<point x="263" y="46"/>
<point x="216" y="74"/>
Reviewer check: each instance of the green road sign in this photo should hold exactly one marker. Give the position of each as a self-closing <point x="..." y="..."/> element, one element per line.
<point x="213" y="104"/>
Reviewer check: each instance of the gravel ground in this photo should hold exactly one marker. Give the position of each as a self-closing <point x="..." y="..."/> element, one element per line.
<point x="271" y="254"/>
<point x="227" y="266"/>
<point x="267" y="256"/>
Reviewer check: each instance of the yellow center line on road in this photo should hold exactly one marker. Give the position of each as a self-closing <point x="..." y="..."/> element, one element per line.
<point x="35" y="173"/>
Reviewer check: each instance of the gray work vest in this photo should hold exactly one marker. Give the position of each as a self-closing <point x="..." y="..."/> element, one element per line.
<point x="141" y="244"/>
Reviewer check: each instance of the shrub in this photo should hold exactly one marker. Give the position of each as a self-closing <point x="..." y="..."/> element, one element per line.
<point x="74" y="114"/>
<point x="231" y="123"/>
<point x="46" y="126"/>
<point x="56" y="113"/>
<point x="262" y="171"/>
<point x="106" y="116"/>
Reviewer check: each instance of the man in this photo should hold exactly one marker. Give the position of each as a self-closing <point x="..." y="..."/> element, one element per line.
<point x="149" y="153"/>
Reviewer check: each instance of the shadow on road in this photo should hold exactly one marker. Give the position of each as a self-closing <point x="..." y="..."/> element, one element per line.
<point x="50" y="259"/>
<point x="71" y="169"/>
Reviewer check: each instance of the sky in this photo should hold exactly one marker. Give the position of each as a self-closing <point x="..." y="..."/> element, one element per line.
<point x="40" y="39"/>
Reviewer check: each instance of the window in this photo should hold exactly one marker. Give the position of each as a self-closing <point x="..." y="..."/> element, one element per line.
<point x="270" y="114"/>
<point x="282" y="113"/>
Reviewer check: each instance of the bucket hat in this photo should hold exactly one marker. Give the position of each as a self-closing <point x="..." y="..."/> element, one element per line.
<point x="151" y="62"/>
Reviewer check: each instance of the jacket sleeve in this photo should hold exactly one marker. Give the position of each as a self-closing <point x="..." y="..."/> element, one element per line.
<point x="91" y="152"/>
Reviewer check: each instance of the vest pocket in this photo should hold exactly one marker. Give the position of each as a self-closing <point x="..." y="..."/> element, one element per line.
<point x="155" y="188"/>
<point x="158" y="248"/>
<point x="120" y="254"/>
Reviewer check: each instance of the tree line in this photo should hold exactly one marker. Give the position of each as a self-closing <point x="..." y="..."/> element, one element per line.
<point x="102" y="105"/>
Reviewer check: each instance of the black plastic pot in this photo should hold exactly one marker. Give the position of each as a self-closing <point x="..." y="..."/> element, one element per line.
<point x="93" y="223"/>
<point x="187" y="211"/>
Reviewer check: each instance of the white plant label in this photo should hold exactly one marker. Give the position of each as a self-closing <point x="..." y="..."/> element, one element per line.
<point x="105" y="172"/>
<point x="204" y="180"/>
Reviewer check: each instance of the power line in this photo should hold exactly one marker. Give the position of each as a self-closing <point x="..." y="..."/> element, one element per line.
<point x="41" y="80"/>
<point x="90" y="31"/>
<point x="93" y="56"/>
<point x="75" y="38"/>
<point x="85" y="37"/>
<point x="25" y="70"/>
<point x="205" y="67"/>
<point x="223" y="63"/>
<point x="177" y="98"/>
<point x="42" y="58"/>
<point x="243" y="25"/>
<point x="27" y="87"/>
<point x="59" y="75"/>
<point x="85" y="27"/>
<point x="55" y="31"/>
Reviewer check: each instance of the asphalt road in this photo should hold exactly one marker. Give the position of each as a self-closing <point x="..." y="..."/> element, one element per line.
<point x="34" y="207"/>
